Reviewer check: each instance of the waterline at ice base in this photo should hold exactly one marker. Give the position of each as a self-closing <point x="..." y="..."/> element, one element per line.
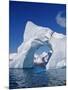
<point x="41" y="47"/>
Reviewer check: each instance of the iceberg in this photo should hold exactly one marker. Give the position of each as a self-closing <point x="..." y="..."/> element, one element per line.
<point x="35" y="38"/>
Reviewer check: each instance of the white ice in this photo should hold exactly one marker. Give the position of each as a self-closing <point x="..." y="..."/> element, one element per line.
<point x="34" y="37"/>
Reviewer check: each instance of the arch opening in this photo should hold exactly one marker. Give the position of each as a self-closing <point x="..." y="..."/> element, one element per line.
<point x="42" y="56"/>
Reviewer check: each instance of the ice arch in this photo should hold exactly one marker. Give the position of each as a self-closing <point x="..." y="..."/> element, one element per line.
<point x="34" y="37"/>
<point x="35" y="45"/>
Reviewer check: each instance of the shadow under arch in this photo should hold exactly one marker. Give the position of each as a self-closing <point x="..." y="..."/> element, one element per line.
<point x="35" y="45"/>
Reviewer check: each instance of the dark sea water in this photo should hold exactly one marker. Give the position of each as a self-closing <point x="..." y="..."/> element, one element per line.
<point x="28" y="78"/>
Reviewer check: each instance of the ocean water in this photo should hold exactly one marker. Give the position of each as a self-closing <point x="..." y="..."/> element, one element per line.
<point x="28" y="78"/>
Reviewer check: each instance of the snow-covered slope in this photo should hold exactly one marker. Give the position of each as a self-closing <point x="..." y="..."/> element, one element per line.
<point x="34" y="38"/>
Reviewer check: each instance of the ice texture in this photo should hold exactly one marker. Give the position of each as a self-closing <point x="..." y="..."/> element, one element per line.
<point x="34" y="38"/>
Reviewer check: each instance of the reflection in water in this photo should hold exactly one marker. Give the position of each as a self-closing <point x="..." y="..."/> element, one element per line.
<point x="24" y="78"/>
<point x="27" y="78"/>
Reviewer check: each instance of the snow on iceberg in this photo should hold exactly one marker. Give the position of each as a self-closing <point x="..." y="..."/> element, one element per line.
<point x="12" y="55"/>
<point x="34" y="38"/>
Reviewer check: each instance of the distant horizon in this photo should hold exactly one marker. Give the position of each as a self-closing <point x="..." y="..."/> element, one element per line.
<point x="43" y="14"/>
